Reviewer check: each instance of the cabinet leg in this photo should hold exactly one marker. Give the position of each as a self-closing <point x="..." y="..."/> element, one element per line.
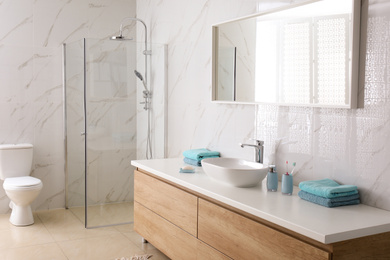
<point x="144" y="241"/>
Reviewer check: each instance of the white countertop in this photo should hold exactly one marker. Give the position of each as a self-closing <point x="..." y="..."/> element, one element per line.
<point x="326" y="225"/>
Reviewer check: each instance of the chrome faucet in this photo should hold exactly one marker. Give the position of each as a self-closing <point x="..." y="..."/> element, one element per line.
<point x="259" y="150"/>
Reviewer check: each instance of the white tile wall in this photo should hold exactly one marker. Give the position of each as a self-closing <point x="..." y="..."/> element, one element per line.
<point x="31" y="34"/>
<point x="193" y="121"/>
<point x="351" y="146"/>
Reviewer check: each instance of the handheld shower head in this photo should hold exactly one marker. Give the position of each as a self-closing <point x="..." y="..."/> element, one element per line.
<point x="139" y="75"/>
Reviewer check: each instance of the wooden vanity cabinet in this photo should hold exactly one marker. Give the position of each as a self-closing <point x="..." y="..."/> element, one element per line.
<point x="243" y="238"/>
<point x="187" y="225"/>
<point x="175" y="205"/>
<point x="167" y="217"/>
<point x="169" y="238"/>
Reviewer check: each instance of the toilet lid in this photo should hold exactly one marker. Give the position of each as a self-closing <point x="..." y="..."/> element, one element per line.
<point x="25" y="181"/>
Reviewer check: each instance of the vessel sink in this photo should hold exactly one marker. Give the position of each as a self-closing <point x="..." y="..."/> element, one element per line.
<point x="234" y="172"/>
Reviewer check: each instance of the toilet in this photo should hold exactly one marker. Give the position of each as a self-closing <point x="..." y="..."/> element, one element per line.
<point x="21" y="189"/>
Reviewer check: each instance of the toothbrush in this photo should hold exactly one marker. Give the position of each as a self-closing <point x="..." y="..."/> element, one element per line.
<point x="294" y="164"/>
<point x="286" y="167"/>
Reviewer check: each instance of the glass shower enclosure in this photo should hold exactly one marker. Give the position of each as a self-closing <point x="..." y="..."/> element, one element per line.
<point x="105" y="125"/>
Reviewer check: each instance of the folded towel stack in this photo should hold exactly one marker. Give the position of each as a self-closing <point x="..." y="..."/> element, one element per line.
<point x="329" y="193"/>
<point x="195" y="156"/>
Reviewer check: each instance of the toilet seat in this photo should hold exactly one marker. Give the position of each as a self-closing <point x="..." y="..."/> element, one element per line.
<point x="22" y="183"/>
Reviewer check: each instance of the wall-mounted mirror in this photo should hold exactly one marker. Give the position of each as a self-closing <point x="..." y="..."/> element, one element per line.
<point x="305" y="54"/>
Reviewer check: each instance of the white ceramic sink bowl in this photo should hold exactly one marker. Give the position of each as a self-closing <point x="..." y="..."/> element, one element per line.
<point x="235" y="172"/>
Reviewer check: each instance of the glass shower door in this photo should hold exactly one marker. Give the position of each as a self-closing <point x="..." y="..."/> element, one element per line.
<point x="74" y="127"/>
<point x="106" y="125"/>
<point x="111" y="127"/>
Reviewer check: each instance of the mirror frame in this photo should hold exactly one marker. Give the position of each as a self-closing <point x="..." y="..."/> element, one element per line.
<point x="355" y="49"/>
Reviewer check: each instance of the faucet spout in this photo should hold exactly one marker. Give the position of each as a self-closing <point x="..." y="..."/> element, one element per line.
<point x="259" y="150"/>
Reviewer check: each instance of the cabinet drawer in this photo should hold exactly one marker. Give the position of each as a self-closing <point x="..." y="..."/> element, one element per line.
<point x="173" y="204"/>
<point x="243" y="238"/>
<point x="170" y="239"/>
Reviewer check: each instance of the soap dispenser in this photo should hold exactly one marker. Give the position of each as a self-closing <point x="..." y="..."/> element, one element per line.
<point x="272" y="179"/>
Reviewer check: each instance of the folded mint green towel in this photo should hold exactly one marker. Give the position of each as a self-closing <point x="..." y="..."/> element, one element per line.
<point x="199" y="154"/>
<point x="327" y="188"/>
<point x="330" y="203"/>
<point x="192" y="162"/>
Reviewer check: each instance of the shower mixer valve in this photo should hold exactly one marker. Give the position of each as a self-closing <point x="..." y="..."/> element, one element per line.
<point x="147" y="96"/>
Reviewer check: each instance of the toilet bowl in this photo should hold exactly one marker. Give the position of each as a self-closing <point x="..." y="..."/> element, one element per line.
<point x="22" y="191"/>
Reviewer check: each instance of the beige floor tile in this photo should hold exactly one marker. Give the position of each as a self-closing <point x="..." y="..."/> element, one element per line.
<point x="5" y="224"/>
<point x="95" y="216"/>
<point x="137" y="240"/>
<point x="118" y="212"/>
<point x="37" y="220"/>
<point x="148" y="248"/>
<point x="108" y="214"/>
<point x="126" y="228"/>
<point x="79" y="212"/>
<point x="157" y="255"/>
<point x="4" y="221"/>
<point x="24" y="236"/>
<point x="57" y="217"/>
<point x="49" y="251"/>
<point x="63" y="225"/>
<point x="104" y="248"/>
<point x="59" y="234"/>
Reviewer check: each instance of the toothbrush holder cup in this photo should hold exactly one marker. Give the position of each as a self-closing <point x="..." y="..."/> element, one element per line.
<point x="287" y="184"/>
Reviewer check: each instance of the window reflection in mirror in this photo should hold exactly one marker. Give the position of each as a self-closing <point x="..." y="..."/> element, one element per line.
<point x="301" y="55"/>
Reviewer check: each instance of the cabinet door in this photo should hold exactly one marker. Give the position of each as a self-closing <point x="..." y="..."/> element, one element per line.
<point x="170" y="239"/>
<point x="243" y="238"/>
<point x="173" y="204"/>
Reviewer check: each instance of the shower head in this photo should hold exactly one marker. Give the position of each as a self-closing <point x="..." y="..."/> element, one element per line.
<point x="120" y="38"/>
<point x="139" y="75"/>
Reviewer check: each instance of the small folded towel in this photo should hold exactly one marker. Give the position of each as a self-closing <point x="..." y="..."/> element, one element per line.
<point x="330" y="203"/>
<point x="199" y="154"/>
<point x="328" y="188"/>
<point x="192" y="162"/>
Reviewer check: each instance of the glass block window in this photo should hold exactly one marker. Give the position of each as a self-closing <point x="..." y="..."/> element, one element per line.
<point x="296" y="62"/>
<point x="331" y="60"/>
<point x="304" y="61"/>
<point x="315" y="58"/>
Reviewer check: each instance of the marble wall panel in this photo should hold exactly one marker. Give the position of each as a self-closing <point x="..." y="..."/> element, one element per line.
<point x="347" y="145"/>
<point x="31" y="37"/>
<point x="193" y="122"/>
